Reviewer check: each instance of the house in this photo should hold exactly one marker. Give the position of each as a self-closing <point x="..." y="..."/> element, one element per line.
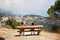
<point x="4" y="19"/>
<point x="17" y="18"/>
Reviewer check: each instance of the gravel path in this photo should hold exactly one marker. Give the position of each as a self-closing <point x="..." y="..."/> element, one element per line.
<point x="9" y="34"/>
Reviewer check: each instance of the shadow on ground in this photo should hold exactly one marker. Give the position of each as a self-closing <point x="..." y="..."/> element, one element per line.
<point x="27" y="35"/>
<point x="2" y="38"/>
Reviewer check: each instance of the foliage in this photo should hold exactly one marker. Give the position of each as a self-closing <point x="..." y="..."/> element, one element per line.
<point x="52" y="15"/>
<point x="51" y="12"/>
<point x="55" y="28"/>
<point x="53" y="8"/>
<point x="12" y="23"/>
<point x="57" y="5"/>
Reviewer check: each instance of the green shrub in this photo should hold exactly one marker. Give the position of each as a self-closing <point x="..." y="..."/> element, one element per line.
<point x="12" y="23"/>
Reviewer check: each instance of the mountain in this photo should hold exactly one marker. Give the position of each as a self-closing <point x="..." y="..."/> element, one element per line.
<point x="38" y="20"/>
<point x="4" y="12"/>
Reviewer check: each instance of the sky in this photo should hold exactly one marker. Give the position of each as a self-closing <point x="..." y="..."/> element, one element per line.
<point x="27" y="7"/>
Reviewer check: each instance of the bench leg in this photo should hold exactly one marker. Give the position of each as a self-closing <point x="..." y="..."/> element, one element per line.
<point x="20" y="33"/>
<point x="32" y="32"/>
<point x="38" y="32"/>
<point x="23" y="33"/>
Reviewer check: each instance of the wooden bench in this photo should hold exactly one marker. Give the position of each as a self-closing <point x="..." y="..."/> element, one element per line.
<point x="29" y="29"/>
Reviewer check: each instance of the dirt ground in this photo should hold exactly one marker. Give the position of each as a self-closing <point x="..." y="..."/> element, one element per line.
<point x="9" y="34"/>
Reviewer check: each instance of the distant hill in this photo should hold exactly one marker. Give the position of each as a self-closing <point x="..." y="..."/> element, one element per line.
<point x="4" y="12"/>
<point x="39" y="20"/>
<point x="32" y="15"/>
<point x="36" y="18"/>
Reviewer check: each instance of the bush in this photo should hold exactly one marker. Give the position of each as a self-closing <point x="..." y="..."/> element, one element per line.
<point x="55" y="28"/>
<point x="17" y="23"/>
<point x="12" y="23"/>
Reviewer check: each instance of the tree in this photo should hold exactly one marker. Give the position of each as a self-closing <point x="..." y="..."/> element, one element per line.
<point x="52" y="14"/>
<point x="52" y="9"/>
<point x="57" y="5"/>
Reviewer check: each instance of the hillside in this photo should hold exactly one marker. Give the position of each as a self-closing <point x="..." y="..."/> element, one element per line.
<point x="38" y="20"/>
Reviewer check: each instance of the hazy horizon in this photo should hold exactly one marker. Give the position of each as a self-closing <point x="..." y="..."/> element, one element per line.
<point x="27" y="7"/>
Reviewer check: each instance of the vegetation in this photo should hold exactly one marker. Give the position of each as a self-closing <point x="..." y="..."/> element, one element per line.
<point x="12" y="23"/>
<point x="52" y="15"/>
<point x="51" y="12"/>
<point x="52" y="9"/>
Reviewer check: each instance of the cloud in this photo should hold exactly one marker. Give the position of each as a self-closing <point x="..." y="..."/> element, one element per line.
<point x="24" y="3"/>
<point x="26" y="6"/>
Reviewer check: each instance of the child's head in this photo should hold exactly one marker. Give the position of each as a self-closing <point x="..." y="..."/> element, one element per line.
<point x="22" y="23"/>
<point x="32" y="24"/>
